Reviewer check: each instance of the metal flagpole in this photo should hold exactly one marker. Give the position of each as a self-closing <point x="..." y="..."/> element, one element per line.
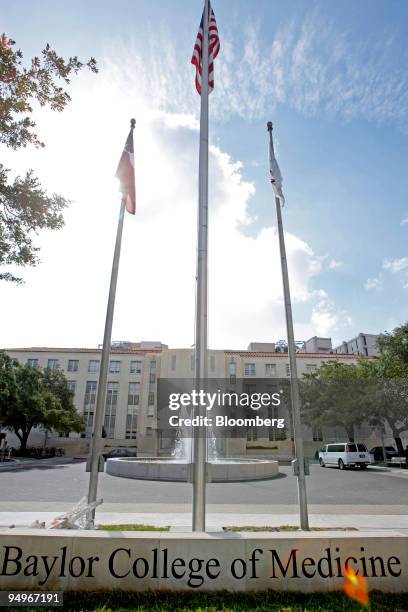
<point x="297" y="425"/>
<point x="200" y="438"/>
<point x="96" y="441"/>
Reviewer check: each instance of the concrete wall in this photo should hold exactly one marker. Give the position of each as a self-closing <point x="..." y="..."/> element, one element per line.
<point x="307" y="562"/>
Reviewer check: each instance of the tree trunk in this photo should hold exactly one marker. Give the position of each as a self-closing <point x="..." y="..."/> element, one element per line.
<point x="398" y="442"/>
<point x="23" y="437"/>
<point x="396" y="435"/>
<point x="350" y="432"/>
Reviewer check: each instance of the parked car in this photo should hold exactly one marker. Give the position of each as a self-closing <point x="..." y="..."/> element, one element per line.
<point x="378" y="454"/>
<point x="116" y="453"/>
<point x="345" y="454"/>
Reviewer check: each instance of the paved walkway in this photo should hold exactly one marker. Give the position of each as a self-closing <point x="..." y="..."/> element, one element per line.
<point x="178" y="516"/>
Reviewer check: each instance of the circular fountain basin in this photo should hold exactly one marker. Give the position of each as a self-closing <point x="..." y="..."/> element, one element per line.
<point x="221" y="470"/>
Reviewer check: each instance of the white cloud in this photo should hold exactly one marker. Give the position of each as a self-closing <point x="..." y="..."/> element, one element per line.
<point x="326" y="320"/>
<point x="396" y="265"/>
<point x="313" y="66"/>
<point x="64" y="299"/>
<point x="404" y="221"/>
<point x="334" y="264"/>
<point x="374" y="283"/>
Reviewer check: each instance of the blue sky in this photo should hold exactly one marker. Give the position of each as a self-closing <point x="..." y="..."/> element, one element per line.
<point x="332" y="78"/>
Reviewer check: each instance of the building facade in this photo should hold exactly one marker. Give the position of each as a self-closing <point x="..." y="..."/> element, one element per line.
<point x="363" y="344"/>
<point x="131" y="394"/>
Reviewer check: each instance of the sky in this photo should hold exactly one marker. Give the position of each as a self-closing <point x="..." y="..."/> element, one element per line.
<point x="330" y="75"/>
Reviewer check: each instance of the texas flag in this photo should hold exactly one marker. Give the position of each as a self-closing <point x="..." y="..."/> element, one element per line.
<point x="126" y="172"/>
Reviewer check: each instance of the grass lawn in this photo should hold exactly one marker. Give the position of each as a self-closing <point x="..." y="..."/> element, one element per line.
<point x="131" y="527"/>
<point x="268" y="601"/>
<point x="285" y="528"/>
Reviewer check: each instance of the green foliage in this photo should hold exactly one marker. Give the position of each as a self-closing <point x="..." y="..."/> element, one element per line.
<point x="25" y="207"/>
<point x="21" y="86"/>
<point x="334" y="396"/>
<point x="372" y="390"/>
<point x="8" y="383"/>
<point x="35" y="397"/>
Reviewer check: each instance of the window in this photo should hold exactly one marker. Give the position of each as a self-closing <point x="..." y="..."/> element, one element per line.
<point x="131" y="427"/>
<point x="153" y="365"/>
<point x="135" y="367"/>
<point x="149" y="432"/>
<point x="317" y="434"/>
<point x="132" y="410"/>
<point x="173" y="362"/>
<point x="252" y="434"/>
<point x="152" y="378"/>
<point x="73" y="365"/>
<point x="133" y="393"/>
<point x="232" y="370"/>
<point x="287" y="369"/>
<point x="310" y="368"/>
<point x="335" y="448"/>
<point x="212" y="363"/>
<point x="33" y="363"/>
<point x="89" y="403"/>
<point x="249" y="369"/>
<point x="53" y="364"/>
<point x="270" y="369"/>
<point x="112" y="391"/>
<point x="150" y="404"/>
<point x="93" y="365"/>
<point x="114" y="367"/>
<point x="71" y="384"/>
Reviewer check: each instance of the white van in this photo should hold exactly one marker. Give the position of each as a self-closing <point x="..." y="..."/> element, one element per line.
<point x="345" y="454"/>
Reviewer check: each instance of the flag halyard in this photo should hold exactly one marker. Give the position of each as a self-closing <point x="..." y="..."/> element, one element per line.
<point x="213" y="50"/>
<point x="126" y="173"/>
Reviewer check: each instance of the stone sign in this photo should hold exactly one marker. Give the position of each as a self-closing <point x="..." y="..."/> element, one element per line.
<point x="138" y="561"/>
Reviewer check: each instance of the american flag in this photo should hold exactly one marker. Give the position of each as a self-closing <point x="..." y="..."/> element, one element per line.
<point x="213" y="49"/>
<point x="126" y="172"/>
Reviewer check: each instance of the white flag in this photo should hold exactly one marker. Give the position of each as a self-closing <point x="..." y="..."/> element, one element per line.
<point x="276" y="176"/>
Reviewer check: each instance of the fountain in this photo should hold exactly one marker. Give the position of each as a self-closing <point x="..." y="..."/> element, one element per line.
<point x="178" y="467"/>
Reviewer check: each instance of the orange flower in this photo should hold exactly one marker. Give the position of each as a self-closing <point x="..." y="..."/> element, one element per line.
<point x="355" y="586"/>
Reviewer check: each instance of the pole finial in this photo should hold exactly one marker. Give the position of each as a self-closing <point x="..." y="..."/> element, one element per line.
<point x="132" y="124"/>
<point x="269" y="126"/>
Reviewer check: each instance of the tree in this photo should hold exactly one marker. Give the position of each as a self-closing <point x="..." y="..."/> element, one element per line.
<point x="29" y="407"/>
<point x="371" y="390"/>
<point x="42" y="397"/>
<point x="8" y="384"/>
<point x="333" y="396"/>
<point x="394" y="349"/>
<point x="389" y="380"/>
<point x="24" y="205"/>
<point x="60" y="412"/>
